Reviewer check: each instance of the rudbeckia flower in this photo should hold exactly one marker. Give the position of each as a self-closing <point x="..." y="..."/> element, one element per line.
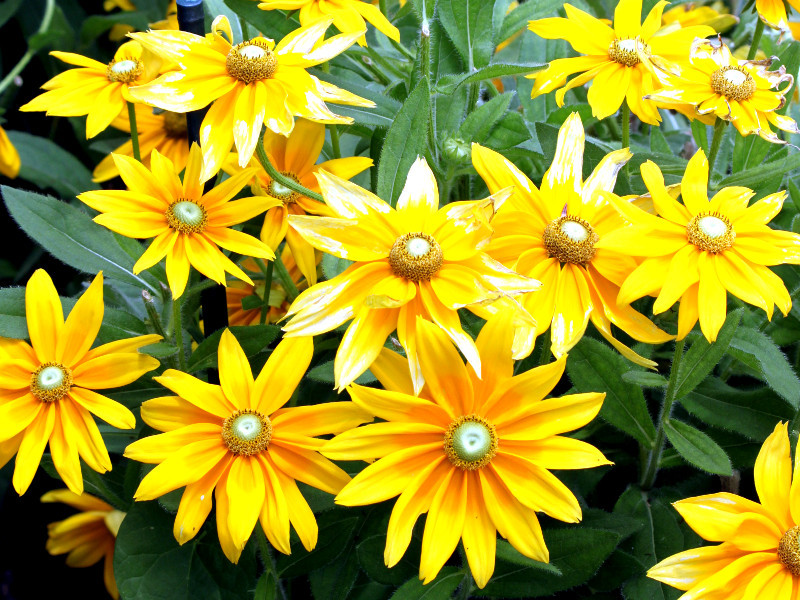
<point x="295" y="157"/>
<point x="550" y="234"/>
<point x="743" y="92"/>
<point x="618" y="59"/>
<point x="9" y="157"/>
<point x="237" y="441"/>
<point x="474" y="453"/>
<point x="47" y="388"/>
<point x="251" y="84"/>
<point x="95" y="89"/>
<point x="348" y="15"/>
<point x="759" y="556"/>
<point x="714" y="15"/>
<point x="163" y="131"/>
<point x="188" y="225"/>
<point x="88" y="536"/>
<point x="698" y="251"/>
<point x="773" y="12"/>
<point x="414" y="260"/>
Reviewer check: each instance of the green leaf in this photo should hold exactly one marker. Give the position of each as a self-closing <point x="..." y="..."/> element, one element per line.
<point x="335" y="580"/>
<point x="518" y="18"/>
<point x="441" y="588"/>
<point x="507" y="553"/>
<point x="215" y="8"/>
<point x="267" y="587"/>
<point x="480" y="122"/>
<point x="756" y="350"/>
<point x="48" y="166"/>
<point x="765" y="173"/>
<point x="449" y="83"/>
<point x="467" y="23"/>
<point x="324" y="374"/>
<point x="645" y="379"/>
<point x="370" y="556"/>
<point x="72" y="237"/>
<point x="334" y="526"/>
<point x="697" y="448"/>
<point x="702" y="356"/>
<point x="405" y="140"/>
<point x="381" y="115"/>
<point x="594" y="367"/>
<point x="253" y="339"/>
<point x="333" y="265"/>
<point x="96" y="25"/>
<point x="7" y="10"/>
<point x="273" y="23"/>
<point x="149" y="564"/>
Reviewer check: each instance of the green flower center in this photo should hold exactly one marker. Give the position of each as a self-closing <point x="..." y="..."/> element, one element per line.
<point x="789" y="550"/>
<point x="711" y="232"/>
<point x="470" y="442"/>
<point x="570" y="240"/>
<point x="50" y="382"/>
<point x="251" y="61"/>
<point x="127" y="70"/>
<point x="186" y="216"/>
<point x="247" y="432"/>
<point x="416" y="256"/>
<point x="735" y="83"/>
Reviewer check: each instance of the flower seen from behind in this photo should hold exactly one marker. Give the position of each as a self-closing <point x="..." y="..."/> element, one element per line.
<point x="415" y="260"/>
<point x="616" y="59"/>
<point x="698" y="251"/>
<point x="99" y="91"/>
<point x="88" y="536"/>
<point x="550" y="234"/>
<point x="759" y="556"/>
<point x="188" y="226"/>
<point x="474" y="453"/>
<point x="237" y="441"/>
<point x="247" y="85"/>
<point x="47" y="388"/>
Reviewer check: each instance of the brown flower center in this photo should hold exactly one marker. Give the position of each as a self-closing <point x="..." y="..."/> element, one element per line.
<point x="470" y="442"/>
<point x="186" y="216"/>
<point x="570" y="240"/>
<point x="126" y="70"/>
<point x="416" y="256"/>
<point x="251" y="61"/>
<point x="281" y="192"/>
<point x="711" y="232"/>
<point x="789" y="550"/>
<point x="735" y="83"/>
<point x="50" y="382"/>
<point x="247" y="432"/>
<point x="627" y="51"/>
<point x="175" y="124"/>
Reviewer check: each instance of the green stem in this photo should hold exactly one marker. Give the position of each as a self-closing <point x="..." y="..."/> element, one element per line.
<point x="286" y="279"/>
<point x="626" y="125"/>
<point x="266" y="558"/>
<point x="544" y="357"/>
<point x="267" y="289"/>
<point x="134" y="131"/>
<point x="337" y="151"/>
<point x="177" y="325"/>
<point x="654" y="456"/>
<point x="716" y="141"/>
<point x="30" y="53"/>
<point x="751" y="54"/>
<point x="275" y="175"/>
<point x="199" y="287"/>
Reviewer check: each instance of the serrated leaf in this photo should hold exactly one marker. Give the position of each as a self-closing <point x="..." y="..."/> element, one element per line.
<point x="335" y="580"/>
<point x="763" y="174"/>
<point x="480" y="122"/>
<point x="697" y="448"/>
<point x="441" y="588"/>
<point x="449" y="83"/>
<point x="253" y="339"/>
<point x="645" y="379"/>
<point x="467" y="23"/>
<point x="518" y="18"/>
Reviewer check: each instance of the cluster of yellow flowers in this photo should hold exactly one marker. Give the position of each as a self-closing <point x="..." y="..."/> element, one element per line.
<point x="470" y="444"/>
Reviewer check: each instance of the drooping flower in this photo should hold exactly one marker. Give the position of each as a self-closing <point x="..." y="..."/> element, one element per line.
<point x="163" y="131"/>
<point x="697" y="251"/>
<point x="95" y="89"/>
<point x="550" y="234"/>
<point x="9" y="157"/>
<point x="714" y="15"/>
<point x="88" y="536"/>
<point x="251" y="84"/>
<point x="349" y="16"/>
<point x="618" y="60"/>
<point x="295" y="157"/>
<point x="414" y="260"/>
<point x="47" y="388"/>
<point x="474" y="453"/>
<point x="773" y="12"/>
<point x="759" y="556"/>
<point x="237" y="441"/>
<point x="188" y="226"/>
<point x="740" y="91"/>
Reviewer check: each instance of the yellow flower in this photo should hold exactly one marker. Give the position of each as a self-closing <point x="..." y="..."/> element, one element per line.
<point x="87" y="536"/>
<point x="618" y="59"/>
<point x="171" y="19"/>
<point x="713" y="15"/>
<point x="696" y="251"/>
<point x="773" y="12"/>
<point x="295" y="157"/>
<point x="237" y="441"/>
<point x="164" y="131"/>
<point x="474" y="453"/>
<point x="348" y="15"/>
<point x="414" y="260"/>
<point x="759" y="556"/>
<point x="252" y="83"/>
<point x="9" y="157"/>
<point x="187" y="224"/>
<point x="550" y="234"/>
<point x="97" y="90"/>
<point x="47" y="388"/>
<point x="739" y="91"/>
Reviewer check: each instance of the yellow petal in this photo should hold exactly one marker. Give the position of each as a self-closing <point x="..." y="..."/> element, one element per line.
<point x="44" y="314"/>
<point x="32" y="447"/>
<point x="444" y="524"/>
<point x="246" y="492"/>
<point x="773" y="475"/>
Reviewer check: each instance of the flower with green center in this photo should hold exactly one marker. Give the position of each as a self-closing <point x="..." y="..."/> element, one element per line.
<point x="474" y="453"/>
<point x="237" y="443"/>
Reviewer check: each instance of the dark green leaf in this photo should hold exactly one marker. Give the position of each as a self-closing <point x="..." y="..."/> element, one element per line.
<point x="645" y="379"/>
<point x="370" y="556"/>
<point x="333" y="265"/>
<point x="96" y="25"/>
<point x="334" y="526"/>
<point x="381" y="115"/>
<point x="267" y="587"/>
<point x="697" y="448"/>
<point x="449" y="83"/>
<point x="335" y="580"/>
<point x="7" y="10"/>
<point x="480" y="122"/>
<point x="441" y="588"/>
<point x="518" y="18"/>
<point x="253" y="339"/>
<point x="324" y="374"/>
<point x="272" y="23"/>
